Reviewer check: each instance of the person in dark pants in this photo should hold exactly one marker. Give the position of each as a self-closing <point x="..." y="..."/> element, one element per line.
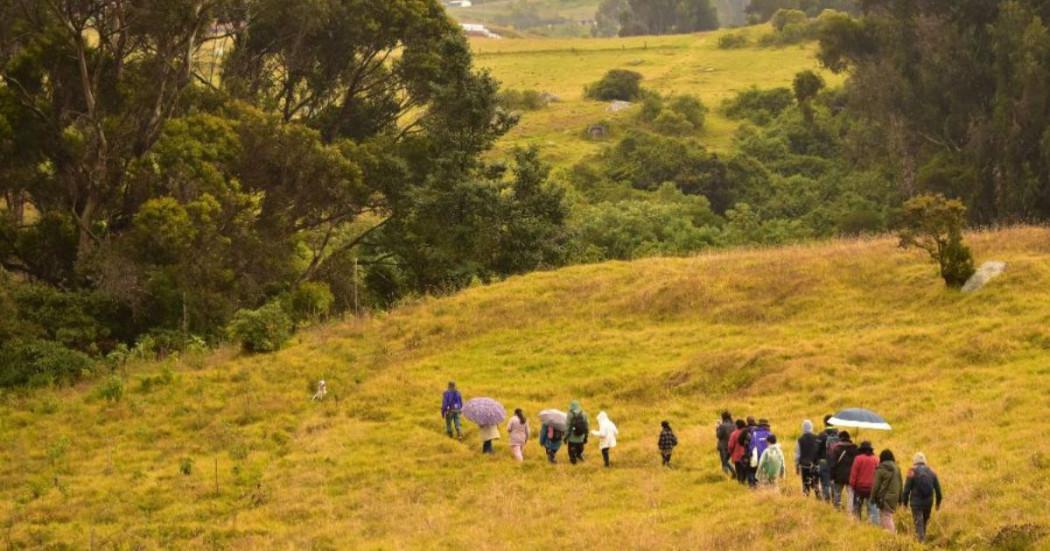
<point x="550" y="439"/>
<point x="722" y="433"/>
<point x="738" y="444"/>
<point x="667" y="443"/>
<point x="451" y="406"/>
<point x="806" y="459"/>
<point x="825" y="442"/>
<point x="577" y="431"/>
<point x="922" y="492"/>
<point x="840" y="459"/>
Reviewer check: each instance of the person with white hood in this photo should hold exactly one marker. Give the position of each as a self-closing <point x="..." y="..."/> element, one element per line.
<point x="606" y="434"/>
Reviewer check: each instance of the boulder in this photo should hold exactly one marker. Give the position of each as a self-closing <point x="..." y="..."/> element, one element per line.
<point x="616" y="106"/>
<point x="987" y="272"/>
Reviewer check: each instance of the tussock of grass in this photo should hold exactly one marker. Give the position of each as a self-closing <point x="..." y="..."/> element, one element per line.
<point x="787" y="333"/>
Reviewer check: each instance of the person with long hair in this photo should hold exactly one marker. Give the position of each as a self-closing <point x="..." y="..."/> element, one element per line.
<point x="886" y="493"/>
<point x="518" y="430"/>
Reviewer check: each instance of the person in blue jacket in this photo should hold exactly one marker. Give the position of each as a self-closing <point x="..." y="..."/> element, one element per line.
<point x="550" y="439"/>
<point x="451" y="407"/>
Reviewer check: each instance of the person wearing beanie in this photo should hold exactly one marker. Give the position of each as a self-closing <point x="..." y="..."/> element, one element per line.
<point x="840" y="458"/>
<point x="922" y="492"/>
<point x="806" y="459"/>
<point x="886" y="492"/>
<point x="723" y="431"/>
<point x="771" y="464"/>
<point x="825" y="442"/>
<point x="862" y="480"/>
<point x="738" y="443"/>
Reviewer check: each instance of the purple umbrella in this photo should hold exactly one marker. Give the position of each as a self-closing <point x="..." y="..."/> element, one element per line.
<point x="484" y="411"/>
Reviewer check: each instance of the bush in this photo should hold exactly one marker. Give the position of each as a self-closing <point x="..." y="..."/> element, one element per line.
<point x="732" y="41"/>
<point x="782" y="18"/>
<point x="111" y="390"/>
<point x="691" y="108"/>
<point x="522" y="100"/>
<point x="617" y="84"/>
<point x="262" y="330"/>
<point x="934" y="224"/>
<point x="759" y="106"/>
<point x="310" y="301"/>
<point x="35" y="363"/>
<point x="672" y="124"/>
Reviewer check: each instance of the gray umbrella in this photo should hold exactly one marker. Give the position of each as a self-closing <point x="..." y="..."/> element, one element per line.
<point x="484" y="411"/>
<point x="556" y="418"/>
<point x="859" y="418"/>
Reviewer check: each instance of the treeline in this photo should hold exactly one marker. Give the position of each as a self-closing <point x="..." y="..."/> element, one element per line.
<point x="645" y="17"/>
<point x="164" y="166"/>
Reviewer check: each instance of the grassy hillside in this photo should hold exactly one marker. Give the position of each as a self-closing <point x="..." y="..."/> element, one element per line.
<point x="680" y="64"/>
<point x="783" y="333"/>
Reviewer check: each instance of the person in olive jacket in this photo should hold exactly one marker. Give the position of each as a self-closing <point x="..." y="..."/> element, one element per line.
<point x="886" y="493"/>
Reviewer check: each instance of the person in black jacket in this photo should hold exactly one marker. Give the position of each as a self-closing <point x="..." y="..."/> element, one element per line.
<point x="825" y="442"/>
<point x="806" y="459"/>
<point x="922" y="491"/>
<point x="840" y="459"/>
<point x="722" y="433"/>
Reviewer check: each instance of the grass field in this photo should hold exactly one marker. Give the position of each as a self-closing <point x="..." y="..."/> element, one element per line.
<point x="680" y="64"/>
<point x="227" y="451"/>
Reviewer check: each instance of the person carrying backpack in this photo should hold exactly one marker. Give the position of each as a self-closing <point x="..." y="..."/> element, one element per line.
<point x="840" y="461"/>
<point x="922" y="491"/>
<point x="550" y="439"/>
<point x="759" y="442"/>
<point x="825" y="442"/>
<point x="771" y="464"/>
<point x="578" y="429"/>
<point x="722" y="432"/>
<point x="606" y="433"/>
<point x="806" y="460"/>
<point x="886" y="492"/>
<point x="862" y="480"/>
<point x="738" y="450"/>
<point x="667" y="443"/>
<point x="451" y="407"/>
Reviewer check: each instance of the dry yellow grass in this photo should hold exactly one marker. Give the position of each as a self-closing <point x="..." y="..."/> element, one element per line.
<point x="788" y="334"/>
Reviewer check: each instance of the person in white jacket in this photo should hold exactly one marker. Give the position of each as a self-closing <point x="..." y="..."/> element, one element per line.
<point x="606" y="434"/>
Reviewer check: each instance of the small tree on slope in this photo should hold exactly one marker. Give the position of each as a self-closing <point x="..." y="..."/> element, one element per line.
<point x="934" y="224"/>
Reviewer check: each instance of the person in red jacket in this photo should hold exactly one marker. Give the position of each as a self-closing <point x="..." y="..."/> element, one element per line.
<point x="737" y="451"/>
<point x="862" y="480"/>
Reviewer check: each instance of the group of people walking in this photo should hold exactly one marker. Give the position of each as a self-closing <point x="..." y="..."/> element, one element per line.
<point x="832" y="468"/>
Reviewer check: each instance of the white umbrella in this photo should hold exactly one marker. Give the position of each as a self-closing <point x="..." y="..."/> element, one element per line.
<point x="860" y="419"/>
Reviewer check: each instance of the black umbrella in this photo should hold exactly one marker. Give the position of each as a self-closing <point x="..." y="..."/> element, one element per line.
<point x="860" y="419"/>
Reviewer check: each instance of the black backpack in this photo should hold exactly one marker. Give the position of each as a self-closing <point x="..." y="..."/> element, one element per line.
<point x="578" y="426"/>
<point x="922" y="484"/>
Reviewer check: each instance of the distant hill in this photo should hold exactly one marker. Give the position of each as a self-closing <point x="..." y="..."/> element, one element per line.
<point x="228" y="451"/>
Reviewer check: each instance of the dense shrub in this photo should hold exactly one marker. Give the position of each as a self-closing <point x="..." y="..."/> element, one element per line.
<point x="674" y="116"/>
<point x="617" y="84"/>
<point x="672" y="124"/>
<point x="262" y="330"/>
<point x="35" y="362"/>
<point x="784" y="17"/>
<point x="934" y="224"/>
<point x="522" y="100"/>
<point x="310" y="301"/>
<point x="732" y="41"/>
<point x="759" y="106"/>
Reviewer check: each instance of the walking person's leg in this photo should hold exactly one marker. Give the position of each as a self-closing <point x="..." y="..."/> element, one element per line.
<point x="919" y="516"/>
<point x="886" y="521"/>
<point x="459" y="425"/>
<point x="448" y="424"/>
<point x="515" y="450"/>
<point x="825" y="479"/>
<point x="873" y="512"/>
<point x="605" y="456"/>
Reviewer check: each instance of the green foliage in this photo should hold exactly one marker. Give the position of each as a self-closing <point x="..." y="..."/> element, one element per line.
<point x="760" y="11"/>
<point x="672" y="123"/>
<point x="263" y="330"/>
<point x="934" y="224"/>
<point x="674" y="116"/>
<point x="758" y="106"/>
<point x="186" y="466"/>
<point x="522" y="100"/>
<point x="617" y="84"/>
<point x="785" y="17"/>
<point x="310" y="301"/>
<point x="36" y="363"/>
<point x="111" y="389"/>
<point x="732" y="41"/>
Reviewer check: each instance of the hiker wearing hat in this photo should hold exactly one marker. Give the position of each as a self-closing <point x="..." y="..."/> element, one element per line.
<point x="578" y="428"/>
<point x="451" y="407"/>
<point x="886" y="493"/>
<point x="759" y="442"/>
<point x="922" y="492"/>
<point x="806" y="456"/>
<point x="840" y="461"/>
<point x="862" y="480"/>
<point x="825" y="442"/>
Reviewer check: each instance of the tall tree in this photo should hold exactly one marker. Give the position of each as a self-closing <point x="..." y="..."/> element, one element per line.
<point x="667" y="17"/>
